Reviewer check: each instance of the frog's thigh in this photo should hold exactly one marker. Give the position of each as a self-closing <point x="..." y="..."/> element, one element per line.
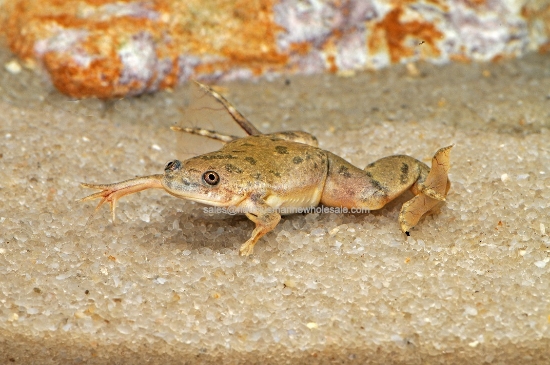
<point x="265" y="222"/>
<point x="393" y="175"/>
<point x="372" y="188"/>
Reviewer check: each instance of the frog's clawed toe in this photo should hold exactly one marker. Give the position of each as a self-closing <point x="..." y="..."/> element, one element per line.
<point x="246" y="249"/>
<point x="106" y="195"/>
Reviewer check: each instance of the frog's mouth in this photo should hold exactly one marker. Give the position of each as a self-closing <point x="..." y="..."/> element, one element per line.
<point x="223" y="199"/>
<point x="197" y="199"/>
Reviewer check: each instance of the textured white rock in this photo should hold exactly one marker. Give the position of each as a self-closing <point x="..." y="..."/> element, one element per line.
<point x="109" y="48"/>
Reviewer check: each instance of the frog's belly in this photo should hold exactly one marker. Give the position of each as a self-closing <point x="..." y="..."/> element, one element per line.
<point x="292" y="203"/>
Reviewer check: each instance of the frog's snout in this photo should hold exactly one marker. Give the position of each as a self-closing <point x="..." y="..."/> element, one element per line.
<point x="171" y="166"/>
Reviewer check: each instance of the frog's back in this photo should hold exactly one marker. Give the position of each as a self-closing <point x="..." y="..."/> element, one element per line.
<point x="290" y="173"/>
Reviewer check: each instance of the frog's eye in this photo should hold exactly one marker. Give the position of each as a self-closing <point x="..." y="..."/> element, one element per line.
<point x="211" y="177"/>
<point x="172" y="166"/>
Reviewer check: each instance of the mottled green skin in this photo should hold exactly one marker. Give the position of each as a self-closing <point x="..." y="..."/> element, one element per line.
<point x="284" y="173"/>
<point x="253" y="169"/>
<point x="258" y="174"/>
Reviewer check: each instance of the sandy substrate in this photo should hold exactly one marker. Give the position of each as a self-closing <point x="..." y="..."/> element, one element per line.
<point x="165" y="285"/>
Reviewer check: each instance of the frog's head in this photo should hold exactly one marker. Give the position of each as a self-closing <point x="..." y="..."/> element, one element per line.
<point x="204" y="179"/>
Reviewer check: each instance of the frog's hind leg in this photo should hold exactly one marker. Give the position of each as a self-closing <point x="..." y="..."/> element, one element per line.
<point x="430" y="186"/>
<point x="241" y="120"/>
<point x="294" y="136"/>
<point x="225" y="138"/>
<point x="391" y="176"/>
<point x="245" y="124"/>
<point x="428" y="191"/>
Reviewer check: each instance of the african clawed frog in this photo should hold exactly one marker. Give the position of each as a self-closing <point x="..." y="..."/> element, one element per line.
<point x="261" y="173"/>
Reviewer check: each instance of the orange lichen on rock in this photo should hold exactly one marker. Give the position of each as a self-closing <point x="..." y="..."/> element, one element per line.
<point x="545" y="48"/>
<point x="256" y="42"/>
<point x="391" y="34"/>
<point x="330" y="48"/>
<point x="537" y="15"/>
<point x="72" y="79"/>
<point x="331" y="61"/>
<point x="460" y="57"/>
<point x="474" y="3"/>
<point x="300" y="48"/>
<point x="83" y="43"/>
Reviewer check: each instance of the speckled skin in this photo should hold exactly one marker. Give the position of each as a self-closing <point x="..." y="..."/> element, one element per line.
<point x="258" y="174"/>
<point x="253" y="170"/>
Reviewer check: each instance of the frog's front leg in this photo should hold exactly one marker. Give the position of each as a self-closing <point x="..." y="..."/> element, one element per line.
<point x="265" y="219"/>
<point x="112" y="192"/>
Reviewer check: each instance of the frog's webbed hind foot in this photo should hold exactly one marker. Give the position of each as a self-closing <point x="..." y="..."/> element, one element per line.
<point x="432" y="193"/>
<point x="112" y="192"/>
<point x="429" y="193"/>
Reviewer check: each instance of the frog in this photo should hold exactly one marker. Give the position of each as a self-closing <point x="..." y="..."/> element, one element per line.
<point x="263" y="175"/>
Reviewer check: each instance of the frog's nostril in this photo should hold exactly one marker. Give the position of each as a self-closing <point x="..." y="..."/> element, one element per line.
<point x="172" y="166"/>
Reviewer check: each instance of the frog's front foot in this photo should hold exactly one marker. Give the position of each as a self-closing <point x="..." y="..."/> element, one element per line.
<point x="432" y="191"/>
<point x="112" y="192"/>
<point x="265" y="222"/>
<point x="247" y="248"/>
